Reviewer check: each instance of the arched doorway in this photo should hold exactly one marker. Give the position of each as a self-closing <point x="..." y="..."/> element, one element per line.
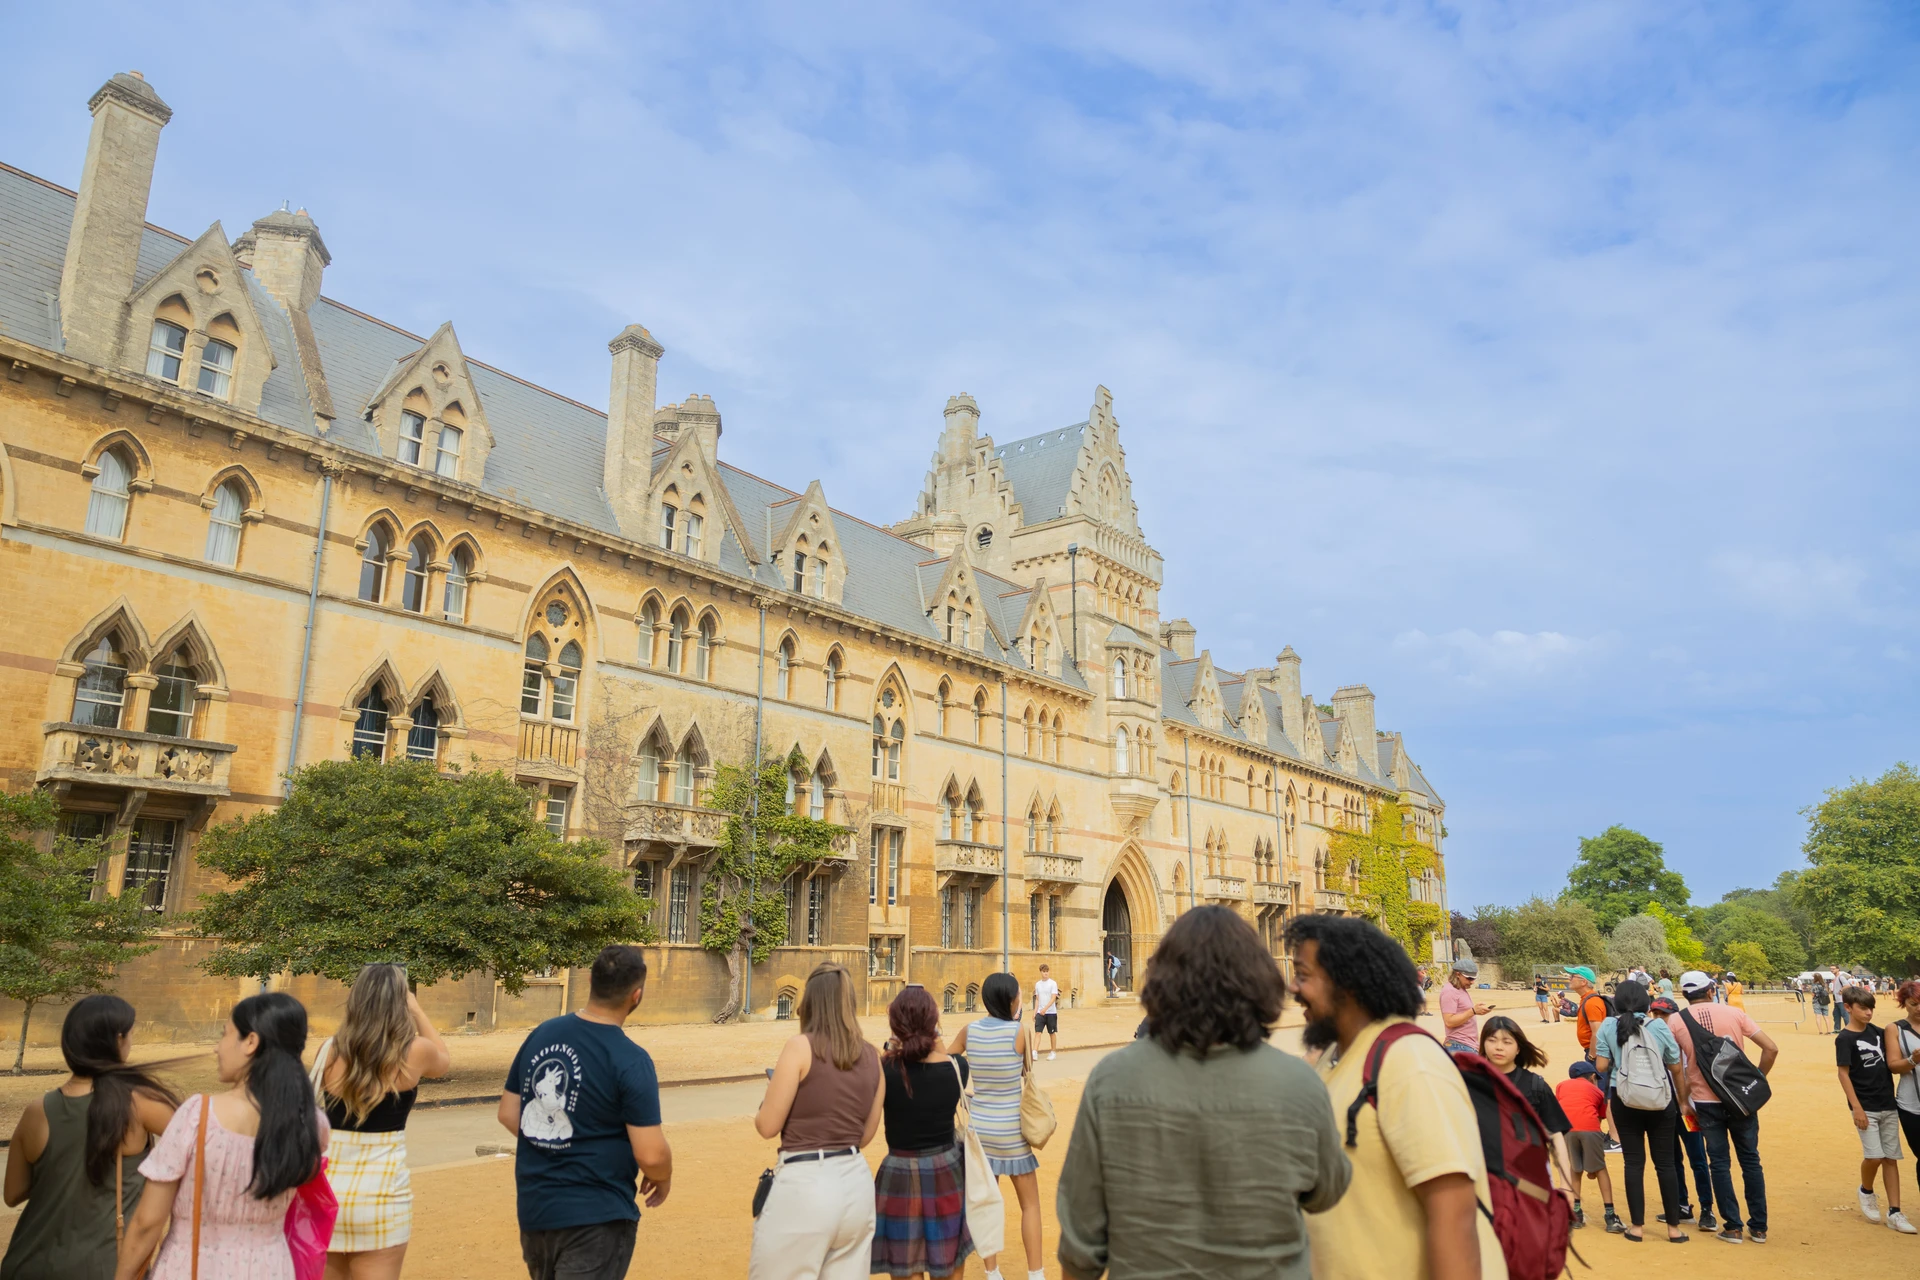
<point x="1116" y="923"/>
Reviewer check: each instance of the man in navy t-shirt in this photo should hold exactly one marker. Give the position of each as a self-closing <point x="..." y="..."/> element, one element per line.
<point x="584" y="1102"/>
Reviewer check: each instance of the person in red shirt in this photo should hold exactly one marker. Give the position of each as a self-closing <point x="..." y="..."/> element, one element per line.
<point x="1586" y="1109"/>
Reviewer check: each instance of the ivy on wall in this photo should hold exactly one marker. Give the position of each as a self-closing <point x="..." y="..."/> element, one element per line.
<point x="1388" y="856"/>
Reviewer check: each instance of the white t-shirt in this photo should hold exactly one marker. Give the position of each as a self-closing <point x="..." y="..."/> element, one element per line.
<point x="1046" y="994"/>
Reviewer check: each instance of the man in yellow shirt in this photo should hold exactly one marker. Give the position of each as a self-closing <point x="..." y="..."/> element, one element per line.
<point x="1412" y="1210"/>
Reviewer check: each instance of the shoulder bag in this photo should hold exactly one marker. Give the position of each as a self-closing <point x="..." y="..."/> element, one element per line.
<point x="1037" y="1121"/>
<point x="986" y="1211"/>
<point x="1729" y="1073"/>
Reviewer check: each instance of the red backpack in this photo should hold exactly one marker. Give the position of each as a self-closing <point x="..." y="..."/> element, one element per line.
<point x="1532" y="1221"/>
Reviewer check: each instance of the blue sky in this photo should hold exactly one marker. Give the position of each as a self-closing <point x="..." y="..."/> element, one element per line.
<point x="1549" y="368"/>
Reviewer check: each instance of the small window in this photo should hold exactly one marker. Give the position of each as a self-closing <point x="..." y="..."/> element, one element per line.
<point x="783" y="1007"/>
<point x="423" y="740"/>
<point x="783" y="673"/>
<point x="413" y="437"/>
<point x="370" y="729"/>
<point x="223" y="526"/>
<point x="559" y="799"/>
<point x="984" y="538"/>
<point x="373" y="565"/>
<point x="447" y="461"/>
<point x="413" y="582"/>
<point x="973" y="999"/>
<point x="453" y="601"/>
<point x="216" y="369"/>
<point x="566" y="685"/>
<point x="694" y="527"/>
<point x="800" y="571"/>
<point x="165" y="350"/>
<point x="683" y="776"/>
<point x="817" y="799"/>
<point x="107" y="505"/>
<point x="533" y="680"/>
<point x="819" y="578"/>
<point x="649" y="626"/>
<point x="170" y="706"/>
<point x="703" y="652"/>
<point x="101" y="692"/>
<point x="668" y="513"/>
<point x="1119" y="678"/>
<point x="833" y="682"/>
<point x="950" y="1000"/>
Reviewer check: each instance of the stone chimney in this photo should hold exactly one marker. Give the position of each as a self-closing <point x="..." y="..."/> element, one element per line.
<point x="287" y="256"/>
<point x="630" y="418"/>
<point x="1284" y="680"/>
<point x="1177" y="635"/>
<point x="698" y="415"/>
<point x="109" y="216"/>
<point x="1353" y="703"/>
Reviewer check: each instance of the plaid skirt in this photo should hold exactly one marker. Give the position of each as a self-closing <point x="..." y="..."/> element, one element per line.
<point x="368" y="1172"/>
<point x="920" y="1213"/>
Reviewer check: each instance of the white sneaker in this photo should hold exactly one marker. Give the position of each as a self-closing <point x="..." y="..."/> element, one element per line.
<point x="1869" y="1206"/>
<point x="1051" y="1055"/>
<point x="1898" y="1221"/>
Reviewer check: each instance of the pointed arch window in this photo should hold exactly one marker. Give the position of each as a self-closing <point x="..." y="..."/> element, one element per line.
<point x="533" y="679"/>
<point x="649" y="627"/>
<point x="1119" y="677"/>
<point x="446" y="462"/>
<point x="223" y="526"/>
<point x="650" y="775"/>
<point x="413" y="580"/>
<point x="423" y="740"/>
<point x="879" y="748"/>
<point x="216" y="368"/>
<point x="833" y="682"/>
<point x="695" y="527"/>
<point x="171" y="705"/>
<point x="895" y="738"/>
<point x="683" y="775"/>
<point x="1033" y="829"/>
<point x="669" y="514"/>
<point x="566" y="685"/>
<point x="1122" y="752"/>
<point x="101" y="692"/>
<point x="1053" y="830"/>
<point x="373" y="564"/>
<point x="800" y="571"/>
<point x="413" y="437"/>
<point x="980" y="716"/>
<point x="941" y="697"/>
<point x="783" y="672"/>
<point x="370" y="727"/>
<point x="949" y="803"/>
<point x="817" y="798"/>
<point x="703" y="649"/>
<point x="976" y="817"/>
<point x="166" y="349"/>
<point x="107" y="504"/>
<point x="453" y="598"/>
<point x="676" y="641"/>
<point x="820" y="576"/>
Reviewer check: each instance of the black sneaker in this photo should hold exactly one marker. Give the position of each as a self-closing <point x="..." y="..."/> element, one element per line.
<point x="1733" y="1235"/>
<point x="1756" y="1237"/>
<point x="1615" y="1227"/>
<point x="1707" y="1221"/>
<point x="1579" y="1217"/>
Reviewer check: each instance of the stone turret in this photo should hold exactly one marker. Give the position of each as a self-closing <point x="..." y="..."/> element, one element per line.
<point x="109" y="216"/>
<point x="696" y="415"/>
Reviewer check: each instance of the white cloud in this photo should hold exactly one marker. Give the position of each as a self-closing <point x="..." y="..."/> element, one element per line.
<point x="1503" y="659"/>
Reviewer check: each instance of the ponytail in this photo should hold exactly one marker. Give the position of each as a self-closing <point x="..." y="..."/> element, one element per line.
<point x="1630" y="1003"/>
<point x="286" y="1150"/>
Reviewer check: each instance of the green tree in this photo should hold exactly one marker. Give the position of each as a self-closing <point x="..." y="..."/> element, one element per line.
<point x="1619" y="872"/>
<point x="1863" y="884"/>
<point x="1686" y="948"/>
<point x="1782" y="900"/>
<point x="1554" y="933"/>
<point x="1390" y="856"/>
<point x="1481" y="930"/>
<point x="450" y="875"/>
<point x="56" y="940"/>
<point x="1641" y="942"/>
<point x="743" y="903"/>
<point x="1739" y="923"/>
<point x="1750" y="961"/>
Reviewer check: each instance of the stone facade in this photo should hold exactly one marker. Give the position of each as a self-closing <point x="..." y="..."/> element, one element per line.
<point x="213" y="479"/>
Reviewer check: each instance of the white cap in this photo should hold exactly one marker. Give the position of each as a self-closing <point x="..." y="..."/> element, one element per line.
<point x="1694" y="980"/>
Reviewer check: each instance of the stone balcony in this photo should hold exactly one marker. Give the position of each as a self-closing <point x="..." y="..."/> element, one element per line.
<point x="77" y="755"/>
<point x="1050" y="868"/>
<point x="890" y="797"/>
<point x="1329" y="900"/>
<point x="551" y="745"/>
<point x="964" y="858"/>
<point x="1133" y="799"/>
<point x="681" y="830"/>
<point x="1224" y="888"/>
<point x="1269" y="894"/>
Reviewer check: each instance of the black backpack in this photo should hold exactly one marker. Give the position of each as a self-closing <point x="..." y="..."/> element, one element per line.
<point x="1727" y="1070"/>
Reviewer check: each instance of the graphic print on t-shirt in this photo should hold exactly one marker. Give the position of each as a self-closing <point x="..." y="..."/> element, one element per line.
<point x="546" y="1108"/>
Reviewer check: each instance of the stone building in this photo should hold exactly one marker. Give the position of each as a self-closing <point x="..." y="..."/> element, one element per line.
<point x="244" y="526"/>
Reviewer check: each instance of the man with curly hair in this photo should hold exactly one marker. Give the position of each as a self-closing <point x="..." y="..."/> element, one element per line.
<point x="1419" y="1172"/>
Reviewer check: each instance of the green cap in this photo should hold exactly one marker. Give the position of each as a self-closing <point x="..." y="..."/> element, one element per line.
<point x="1581" y="971"/>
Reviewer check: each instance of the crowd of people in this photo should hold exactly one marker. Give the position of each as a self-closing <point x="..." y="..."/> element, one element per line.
<point x="1200" y="1148"/>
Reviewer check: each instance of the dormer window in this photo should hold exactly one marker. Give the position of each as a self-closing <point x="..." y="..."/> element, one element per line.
<point x="165" y="351"/>
<point x="668" y="514"/>
<point x="413" y="437"/>
<point x="819" y="578"/>
<point x="216" y="369"/>
<point x="447" y="461"/>
<point x="966" y="629"/>
<point x="694" y="524"/>
<point x="800" y="572"/>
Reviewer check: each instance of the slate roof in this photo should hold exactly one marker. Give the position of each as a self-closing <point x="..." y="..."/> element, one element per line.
<point x="1040" y="469"/>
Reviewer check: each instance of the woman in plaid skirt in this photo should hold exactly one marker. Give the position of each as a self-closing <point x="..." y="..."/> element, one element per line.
<point x="919" y="1194"/>
<point x="367" y="1077"/>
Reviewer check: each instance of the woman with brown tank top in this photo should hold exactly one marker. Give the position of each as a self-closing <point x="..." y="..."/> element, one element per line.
<point x="824" y="1101"/>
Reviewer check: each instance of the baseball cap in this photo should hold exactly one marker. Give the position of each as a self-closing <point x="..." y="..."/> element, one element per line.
<point x="1694" y="980"/>
<point x="1581" y="971"/>
<point x="1581" y="1069"/>
<point x="1465" y="966"/>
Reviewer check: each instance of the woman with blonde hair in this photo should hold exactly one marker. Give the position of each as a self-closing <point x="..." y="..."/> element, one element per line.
<point x="824" y="1100"/>
<point x="367" y="1076"/>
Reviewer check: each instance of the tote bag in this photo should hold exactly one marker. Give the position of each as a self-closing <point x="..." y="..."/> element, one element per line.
<point x="986" y="1211"/>
<point x="1037" y="1121"/>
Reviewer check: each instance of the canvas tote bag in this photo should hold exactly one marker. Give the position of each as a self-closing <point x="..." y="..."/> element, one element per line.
<point x="1037" y="1121"/>
<point x="986" y="1211"/>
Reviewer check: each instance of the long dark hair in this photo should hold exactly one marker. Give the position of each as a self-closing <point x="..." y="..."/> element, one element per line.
<point x="1210" y="982"/>
<point x="90" y="1042"/>
<point x="998" y="993"/>
<point x="913" y="1018"/>
<point x="286" y="1149"/>
<point x="1630" y="1005"/>
<point x="1530" y="1055"/>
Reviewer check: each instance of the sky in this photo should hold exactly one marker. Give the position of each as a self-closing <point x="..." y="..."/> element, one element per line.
<point x="1549" y="368"/>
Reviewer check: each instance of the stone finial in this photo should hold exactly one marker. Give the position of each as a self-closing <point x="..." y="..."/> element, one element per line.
<point x="131" y="90"/>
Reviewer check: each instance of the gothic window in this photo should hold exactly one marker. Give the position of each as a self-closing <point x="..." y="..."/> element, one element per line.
<point x="695" y="525"/>
<point x="566" y="685"/>
<point x="703" y="650"/>
<point x="216" y="369"/>
<point x="941" y="697"/>
<point x="677" y="641"/>
<point x="413" y="582"/>
<point x="166" y="349"/>
<point x="370" y="727"/>
<point x="820" y="574"/>
<point x="423" y="740"/>
<point x="980" y="716"/>
<point x="413" y="437"/>
<point x="949" y="804"/>
<point x="976" y="817"/>
<point x="533" y="679"/>
<point x="896" y="738"/>
<point x="1119" y="677"/>
<point x="171" y="705"/>
<point x="1053" y="829"/>
<point x="101" y="692"/>
<point x="879" y="748"/>
<point x="453" y="597"/>
<point x="650" y="774"/>
<point x="668" y="514"/>
<point x="649" y="626"/>
<point x="896" y="842"/>
<point x="1033" y="829"/>
<point x="1122" y="752"/>
<point x="817" y="798"/>
<point x="683" y="775"/>
<point x="447" y="461"/>
<point x="1026" y="733"/>
<point x="223" y="526"/>
<point x="800" y="571"/>
<point x="373" y="564"/>
<point x="1059" y="737"/>
<point x="107" y="504"/>
<point x="833" y="682"/>
<point x="783" y="672"/>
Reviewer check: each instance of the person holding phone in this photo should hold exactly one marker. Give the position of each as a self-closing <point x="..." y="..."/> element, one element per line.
<point x="1459" y="1012"/>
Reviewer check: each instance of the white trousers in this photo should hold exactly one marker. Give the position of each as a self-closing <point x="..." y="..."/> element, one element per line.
<point x="817" y="1223"/>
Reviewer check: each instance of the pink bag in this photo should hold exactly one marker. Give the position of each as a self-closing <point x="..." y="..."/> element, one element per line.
<point x="310" y="1221"/>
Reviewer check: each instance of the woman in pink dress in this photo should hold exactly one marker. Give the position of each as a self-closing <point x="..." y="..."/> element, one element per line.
<point x="265" y="1137"/>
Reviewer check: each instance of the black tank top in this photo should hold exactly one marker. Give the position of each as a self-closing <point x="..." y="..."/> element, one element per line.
<point x="389" y="1115"/>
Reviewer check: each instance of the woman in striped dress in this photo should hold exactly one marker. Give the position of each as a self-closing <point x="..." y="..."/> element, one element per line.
<point x="996" y="1051"/>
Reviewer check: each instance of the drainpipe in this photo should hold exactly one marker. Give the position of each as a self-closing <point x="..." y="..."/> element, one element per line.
<point x="1073" y="596"/>
<point x="753" y="818"/>
<point x="1006" y="925"/>
<point x="1186" y="761"/>
<point x="306" y="643"/>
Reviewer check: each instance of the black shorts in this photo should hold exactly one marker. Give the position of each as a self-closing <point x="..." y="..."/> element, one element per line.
<point x="1048" y="1022"/>
<point x="602" y="1251"/>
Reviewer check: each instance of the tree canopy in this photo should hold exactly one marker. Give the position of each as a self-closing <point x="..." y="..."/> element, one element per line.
<point x="1750" y="962"/>
<point x="1619" y="872"/>
<point x="1390" y="855"/>
<point x="396" y="862"/>
<point x="1641" y="941"/>
<point x="1481" y="930"/>
<point x="1554" y="933"/>
<point x="57" y="940"/>
<point x="1731" y="924"/>
<point x="1863" y="885"/>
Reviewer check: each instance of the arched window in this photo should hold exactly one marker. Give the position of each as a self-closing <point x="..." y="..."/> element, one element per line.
<point x="817" y="798"/>
<point x="533" y="680"/>
<point x="783" y="673"/>
<point x="896" y="736"/>
<point x="175" y="697"/>
<point x="941" y="697"/>
<point x="1122" y="755"/>
<point x="373" y="565"/>
<point x="683" y="775"/>
<point x="1053" y="830"/>
<point x="1059" y="737"/>
<point x="783" y="1006"/>
<point x="223" y="526"/>
<point x="413" y="437"/>
<point x="980" y="715"/>
<point x="820" y="575"/>
<point x="423" y="740"/>
<point x="413" y="581"/>
<point x="101" y="692"/>
<point x="800" y="571"/>
<point x="107" y="505"/>
<point x="879" y="748"/>
<point x="1033" y="829"/>
<point x="694" y="528"/>
<point x="1119" y="677"/>
<point x="453" y="599"/>
<point x="676" y="641"/>
<point x="976" y="816"/>
<point x="649" y="625"/>
<point x="566" y="685"/>
<point x="216" y="368"/>
<point x="833" y="682"/>
<point x="949" y="803"/>
<point x="668" y="515"/>
<point x="370" y="729"/>
<point x="166" y="349"/>
<point x="703" y="651"/>
<point x="650" y="775"/>
<point x="1026" y="732"/>
<point x="447" y="461"/>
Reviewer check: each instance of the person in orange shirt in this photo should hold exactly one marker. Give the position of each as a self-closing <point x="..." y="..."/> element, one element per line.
<point x="1590" y="1010"/>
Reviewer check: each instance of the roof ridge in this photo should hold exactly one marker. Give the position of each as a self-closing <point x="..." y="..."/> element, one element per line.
<point x="54" y="186"/>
